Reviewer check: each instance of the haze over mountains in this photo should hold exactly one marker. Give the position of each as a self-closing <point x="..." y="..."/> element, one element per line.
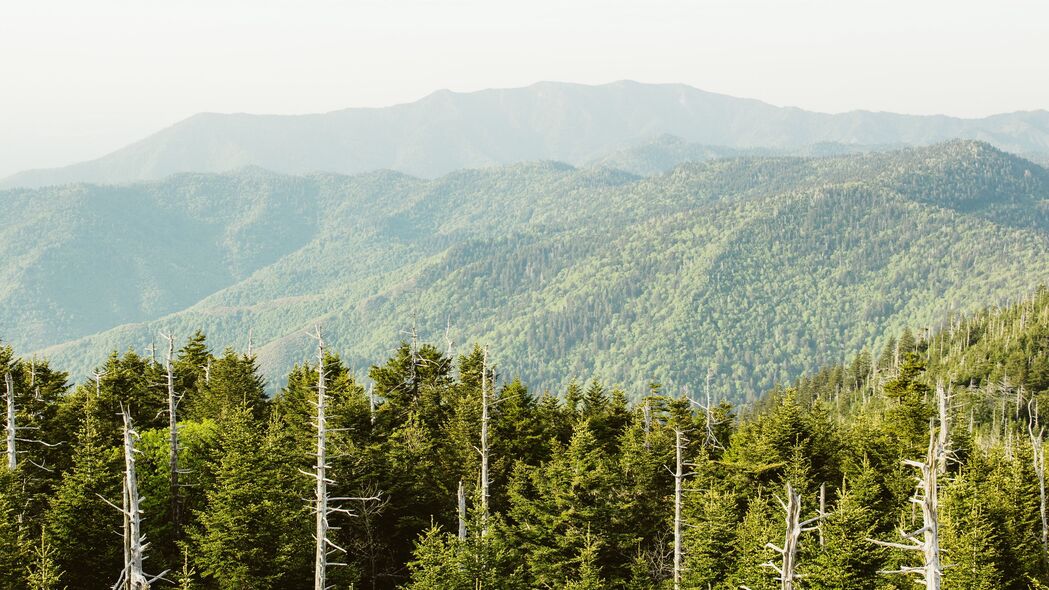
<point x="447" y="131"/>
<point x="760" y="266"/>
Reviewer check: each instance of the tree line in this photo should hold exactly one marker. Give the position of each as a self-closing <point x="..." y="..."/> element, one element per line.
<point x="173" y="468"/>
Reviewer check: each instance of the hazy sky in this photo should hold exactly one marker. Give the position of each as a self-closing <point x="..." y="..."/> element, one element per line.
<point x="80" y="78"/>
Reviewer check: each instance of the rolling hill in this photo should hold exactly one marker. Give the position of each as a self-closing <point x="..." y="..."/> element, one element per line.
<point x="447" y="131"/>
<point x="762" y="267"/>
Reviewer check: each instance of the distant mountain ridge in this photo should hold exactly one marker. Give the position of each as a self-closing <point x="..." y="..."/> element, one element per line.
<point x="760" y="266"/>
<point x="575" y="123"/>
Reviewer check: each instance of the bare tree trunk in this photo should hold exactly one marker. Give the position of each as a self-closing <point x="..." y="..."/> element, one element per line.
<point x="127" y="533"/>
<point x="173" y="471"/>
<point x="462" y="511"/>
<point x="98" y="382"/>
<point x="371" y="403"/>
<point x="136" y="545"/>
<point x="927" y="498"/>
<point x="323" y="502"/>
<point x="679" y="476"/>
<point x="1038" y="457"/>
<point x="789" y="551"/>
<point x="133" y="576"/>
<point x="12" y="425"/>
<point x="484" y="442"/>
<point x="943" y="442"/>
<point x="320" y="581"/>
<point x="646" y="411"/>
<point x="822" y="514"/>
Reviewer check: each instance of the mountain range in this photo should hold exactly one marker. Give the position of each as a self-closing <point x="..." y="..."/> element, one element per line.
<point x="574" y="123"/>
<point x="756" y="267"/>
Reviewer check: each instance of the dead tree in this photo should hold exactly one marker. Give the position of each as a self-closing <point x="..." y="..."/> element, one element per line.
<point x="320" y="578"/>
<point x="822" y="513"/>
<point x="323" y="503"/>
<point x="462" y="511"/>
<point x="679" y="479"/>
<point x="371" y="403"/>
<point x="132" y="577"/>
<point x="646" y="411"/>
<point x="927" y="538"/>
<point x="98" y="383"/>
<point x="14" y="430"/>
<point x="1038" y="456"/>
<point x="943" y="441"/>
<point x="786" y="570"/>
<point x="12" y="425"/>
<point x="173" y="469"/>
<point x="485" y="480"/>
<point x="710" y="420"/>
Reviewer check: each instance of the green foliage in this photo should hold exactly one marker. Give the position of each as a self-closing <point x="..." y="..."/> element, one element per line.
<point x="83" y="527"/>
<point x="13" y="549"/>
<point x="254" y="530"/>
<point x="582" y="492"/>
<point x="43" y="572"/>
<point x="764" y="267"/>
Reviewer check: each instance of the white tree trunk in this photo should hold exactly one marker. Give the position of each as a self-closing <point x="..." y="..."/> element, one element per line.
<point x="485" y="480"/>
<point x="371" y="403"/>
<point x="323" y="503"/>
<point x="462" y="511"/>
<point x="133" y="577"/>
<point x="173" y="471"/>
<point x="136" y="544"/>
<point x="925" y="540"/>
<point x="1038" y="458"/>
<point x="679" y="476"/>
<point x="321" y="565"/>
<point x="12" y="424"/>
<point x="943" y="441"/>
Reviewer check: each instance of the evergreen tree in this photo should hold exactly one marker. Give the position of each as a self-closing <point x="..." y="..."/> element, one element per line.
<point x="847" y="559"/>
<point x="752" y="534"/>
<point x="554" y="508"/>
<point x="710" y="534"/>
<point x="254" y="530"/>
<point x="84" y="529"/>
<point x="437" y="563"/>
<point x="233" y="382"/>
<point x="970" y="541"/>
<point x="588" y="576"/>
<point x="12" y="543"/>
<point x="43" y="572"/>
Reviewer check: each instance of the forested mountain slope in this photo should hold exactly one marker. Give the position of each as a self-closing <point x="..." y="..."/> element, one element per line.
<point x="668" y="151"/>
<point x="582" y="488"/>
<point x="448" y="131"/>
<point x="758" y="267"/>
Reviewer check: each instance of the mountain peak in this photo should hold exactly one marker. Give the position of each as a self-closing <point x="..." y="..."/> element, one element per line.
<point x="570" y="122"/>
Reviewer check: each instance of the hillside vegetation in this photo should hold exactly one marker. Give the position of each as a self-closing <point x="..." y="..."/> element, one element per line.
<point x="581" y="490"/>
<point x="754" y="268"/>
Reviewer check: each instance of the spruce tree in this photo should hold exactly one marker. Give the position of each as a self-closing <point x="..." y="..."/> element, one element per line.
<point x="253" y="532"/>
<point x="847" y="559"/>
<point x="13" y="550"/>
<point x="83" y="528"/>
<point x="43" y="572"/>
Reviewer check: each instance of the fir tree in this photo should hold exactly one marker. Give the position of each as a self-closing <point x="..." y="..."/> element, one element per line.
<point x="43" y="572"/>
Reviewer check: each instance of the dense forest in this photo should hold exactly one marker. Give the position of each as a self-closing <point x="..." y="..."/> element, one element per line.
<point x="765" y="267"/>
<point x="918" y="461"/>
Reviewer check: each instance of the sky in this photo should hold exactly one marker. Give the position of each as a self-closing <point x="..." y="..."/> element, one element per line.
<point x="79" y="79"/>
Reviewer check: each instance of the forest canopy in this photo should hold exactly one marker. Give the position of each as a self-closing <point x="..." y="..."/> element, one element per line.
<point x="442" y="473"/>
